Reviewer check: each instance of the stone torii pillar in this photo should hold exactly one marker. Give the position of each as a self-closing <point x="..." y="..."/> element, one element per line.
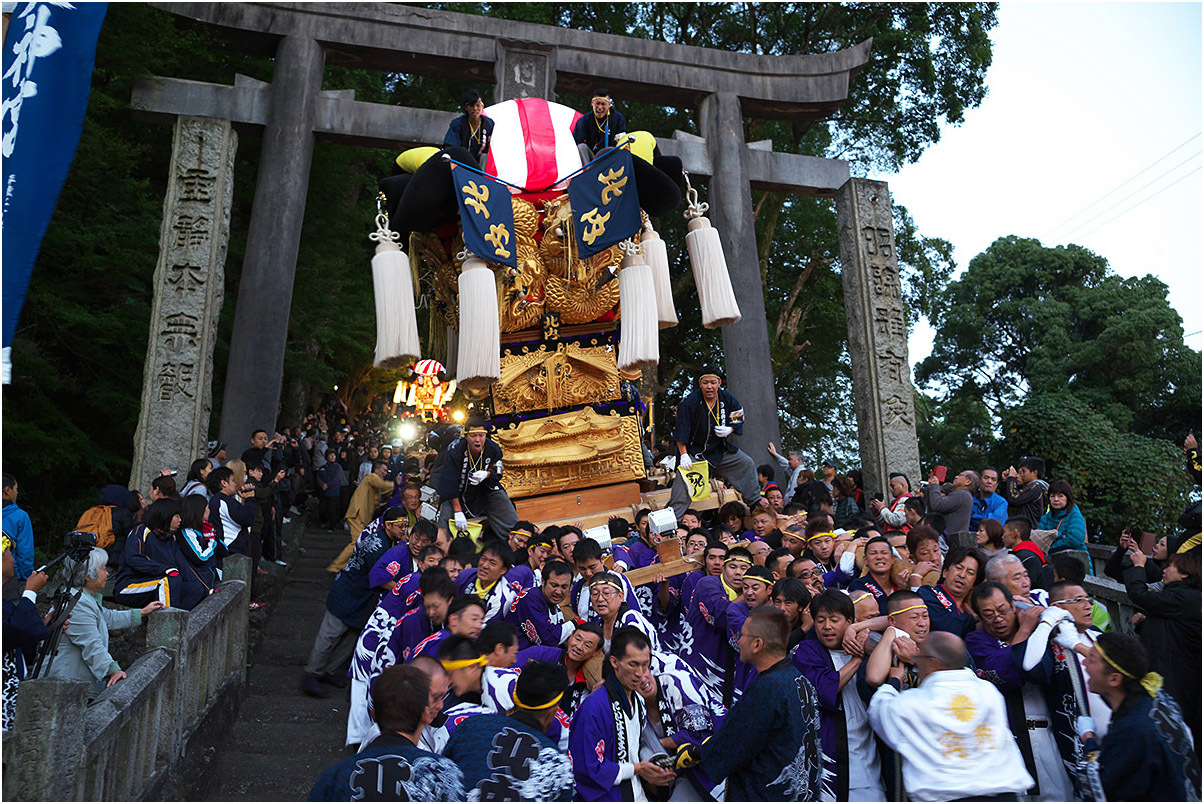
<point x="265" y="289"/>
<point x="745" y="343"/>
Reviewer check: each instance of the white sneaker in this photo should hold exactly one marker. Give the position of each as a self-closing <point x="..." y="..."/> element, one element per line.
<point x="281" y="563"/>
<point x="294" y="511"/>
<point x="286" y="520"/>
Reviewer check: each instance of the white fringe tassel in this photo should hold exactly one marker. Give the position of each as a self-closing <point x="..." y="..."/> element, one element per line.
<point x="715" y="294"/>
<point x="396" y="324"/>
<point x="658" y="259"/>
<point x="478" y="361"/>
<point x="639" y="341"/>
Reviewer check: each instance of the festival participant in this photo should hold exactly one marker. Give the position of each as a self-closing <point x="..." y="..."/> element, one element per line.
<point x="765" y="528"/>
<point x="706" y="418"/>
<point x="950" y="708"/>
<point x="587" y="558"/>
<point x="1016" y="533"/>
<point x="850" y="752"/>
<point x="392" y="765"/>
<point x="364" y="502"/>
<point x="680" y="709"/>
<point x="566" y="540"/>
<point x="997" y="648"/>
<point x="465" y="618"/>
<point x="1009" y="571"/>
<point x="709" y="652"/>
<point x="768" y="748"/>
<point x="581" y="648"/>
<point x="487" y="582"/>
<point x="509" y="757"/>
<point x="611" y="612"/>
<point x="498" y="644"/>
<point x="600" y="130"/>
<point x="530" y="550"/>
<point x="536" y="611"/>
<point x="471" y="483"/>
<point x="879" y="578"/>
<point x="792" y="598"/>
<point x="1148" y="754"/>
<point x="910" y="626"/>
<point x="349" y="603"/>
<point x="472" y="130"/>
<point x="436" y="593"/>
<point x="604" y="741"/>
<point x="408" y="557"/>
<point x="758" y="591"/>
<point x="948" y="601"/>
<point x="892" y="515"/>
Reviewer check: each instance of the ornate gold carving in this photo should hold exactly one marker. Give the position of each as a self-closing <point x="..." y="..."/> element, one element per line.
<point x="570" y="450"/>
<point x="440" y="274"/>
<point x="545" y="379"/>
<point x="580" y="290"/>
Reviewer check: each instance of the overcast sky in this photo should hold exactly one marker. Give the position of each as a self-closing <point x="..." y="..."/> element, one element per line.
<point x="1083" y="98"/>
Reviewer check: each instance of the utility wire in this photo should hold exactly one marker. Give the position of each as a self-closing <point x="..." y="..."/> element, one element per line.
<point x="1142" y="201"/>
<point x="1111" y="207"/>
<point x="1122" y="184"/>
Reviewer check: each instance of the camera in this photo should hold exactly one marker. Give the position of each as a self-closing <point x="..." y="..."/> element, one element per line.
<point x="79" y="542"/>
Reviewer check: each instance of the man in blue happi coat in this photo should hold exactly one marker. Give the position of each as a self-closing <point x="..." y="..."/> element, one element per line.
<point x="706" y="420"/>
<point x="392" y="767"/>
<point x="536" y="612"/>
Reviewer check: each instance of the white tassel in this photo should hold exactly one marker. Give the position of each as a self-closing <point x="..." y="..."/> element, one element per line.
<point x="397" y="342"/>
<point x="715" y="295"/>
<point x="639" y="341"/>
<point x="658" y="258"/>
<point x="478" y="361"/>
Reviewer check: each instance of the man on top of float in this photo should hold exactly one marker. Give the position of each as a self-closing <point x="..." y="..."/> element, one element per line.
<point x="599" y="130"/>
<point x="706" y="420"/>
<point x="471" y="482"/>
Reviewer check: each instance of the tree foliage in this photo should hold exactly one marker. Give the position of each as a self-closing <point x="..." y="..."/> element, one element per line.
<point x="1045" y="351"/>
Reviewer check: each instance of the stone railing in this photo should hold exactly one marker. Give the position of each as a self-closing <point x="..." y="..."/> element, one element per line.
<point x="133" y="737"/>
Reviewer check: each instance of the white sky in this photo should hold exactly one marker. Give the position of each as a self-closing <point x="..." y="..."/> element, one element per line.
<point x="1082" y="98"/>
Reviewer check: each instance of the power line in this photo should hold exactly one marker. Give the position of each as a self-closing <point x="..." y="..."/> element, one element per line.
<point x="1111" y="207"/>
<point x="1142" y="201"/>
<point x="1122" y="184"/>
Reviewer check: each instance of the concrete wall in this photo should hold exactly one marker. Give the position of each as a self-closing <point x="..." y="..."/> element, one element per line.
<point x="128" y="743"/>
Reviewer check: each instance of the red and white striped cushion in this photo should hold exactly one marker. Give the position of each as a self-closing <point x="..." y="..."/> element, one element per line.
<point x="532" y="142"/>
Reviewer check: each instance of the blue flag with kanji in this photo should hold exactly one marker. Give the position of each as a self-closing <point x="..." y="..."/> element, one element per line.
<point x="606" y="209"/>
<point x="486" y="216"/>
<point x="49" y="52"/>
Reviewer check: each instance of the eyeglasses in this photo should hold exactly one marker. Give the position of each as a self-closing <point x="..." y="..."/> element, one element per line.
<point x="808" y="573"/>
<point x="996" y="615"/>
<point x="1088" y="599"/>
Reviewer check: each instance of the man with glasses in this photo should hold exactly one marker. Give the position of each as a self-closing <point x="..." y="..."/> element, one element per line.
<point x="1079" y="635"/>
<point x="951" y="730"/>
<point x="996" y="648"/>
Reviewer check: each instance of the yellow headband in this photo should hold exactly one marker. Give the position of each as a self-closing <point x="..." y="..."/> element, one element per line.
<point x="548" y="705"/>
<point x="909" y="608"/>
<point x="704" y="376"/>
<point x="517" y="532"/>
<point x="477" y="430"/>
<point x="599" y="97"/>
<point x="863" y="596"/>
<point x="1150" y="682"/>
<point x="737" y="558"/>
<point x="459" y="664"/>
<point x="820" y="535"/>
<point x="758" y="579"/>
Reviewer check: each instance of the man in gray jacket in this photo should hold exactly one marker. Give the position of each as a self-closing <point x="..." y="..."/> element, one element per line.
<point x="957" y="505"/>
<point x="83" y="652"/>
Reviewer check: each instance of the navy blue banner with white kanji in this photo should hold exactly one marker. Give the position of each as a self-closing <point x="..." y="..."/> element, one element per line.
<point x="48" y="57"/>
<point x="486" y="216"/>
<point x="606" y="208"/>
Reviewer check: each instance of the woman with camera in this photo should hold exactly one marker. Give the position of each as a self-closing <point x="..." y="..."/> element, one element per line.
<point x="83" y="653"/>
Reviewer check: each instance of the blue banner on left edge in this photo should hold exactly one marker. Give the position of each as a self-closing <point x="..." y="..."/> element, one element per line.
<point x="486" y="216"/>
<point x="48" y="56"/>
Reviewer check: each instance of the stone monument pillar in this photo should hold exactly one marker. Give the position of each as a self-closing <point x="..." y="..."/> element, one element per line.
<point x="189" y="284"/>
<point x="882" y="392"/>
<point x="745" y="343"/>
<point x="255" y="370"/>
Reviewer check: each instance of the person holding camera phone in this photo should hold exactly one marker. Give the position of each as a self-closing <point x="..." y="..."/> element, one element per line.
<point x="232" y="511"/>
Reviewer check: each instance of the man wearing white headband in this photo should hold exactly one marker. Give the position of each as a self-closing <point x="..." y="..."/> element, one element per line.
<point x="471" y="482"/>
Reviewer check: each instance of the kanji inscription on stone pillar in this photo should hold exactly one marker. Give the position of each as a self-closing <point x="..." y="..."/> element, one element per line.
<point x="882" y="390"/>
<point x="189" y="283"/>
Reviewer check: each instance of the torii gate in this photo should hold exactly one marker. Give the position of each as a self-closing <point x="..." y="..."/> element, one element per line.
<point x="522" y="60"/>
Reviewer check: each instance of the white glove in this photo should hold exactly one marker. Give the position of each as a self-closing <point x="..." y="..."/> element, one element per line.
<point x="1054" y="615"/>
<point x="1066" y="635"/>
<point x="684" y="462"/>
<point x="477" y="476"/>
<point x="848" y="561"/>
<point x="722" y="430"/>
<point x="1084" y="724"/>
<point x="461" y="521"/>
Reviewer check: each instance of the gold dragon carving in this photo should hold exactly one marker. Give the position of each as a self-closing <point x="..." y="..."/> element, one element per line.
<point x="570" y="450"/>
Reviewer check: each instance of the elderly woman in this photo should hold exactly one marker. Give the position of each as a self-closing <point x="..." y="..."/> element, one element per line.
<point x="1171" y="631"/>
<point x="83" y="652"/>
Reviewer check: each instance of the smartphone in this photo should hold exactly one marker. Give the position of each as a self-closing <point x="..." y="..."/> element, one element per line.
<point x="939" y="473"/>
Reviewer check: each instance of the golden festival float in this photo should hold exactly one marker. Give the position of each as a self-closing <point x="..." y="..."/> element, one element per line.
<point x="544" y="335"/>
